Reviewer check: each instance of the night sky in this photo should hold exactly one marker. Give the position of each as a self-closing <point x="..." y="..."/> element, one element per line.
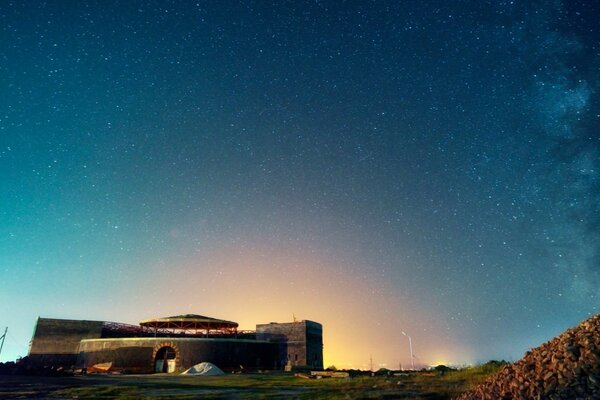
<point x="378" y="167"/>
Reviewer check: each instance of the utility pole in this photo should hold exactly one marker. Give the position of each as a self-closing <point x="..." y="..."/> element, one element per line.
<point x="3" y="337"/>
<point x="371" y="360"/>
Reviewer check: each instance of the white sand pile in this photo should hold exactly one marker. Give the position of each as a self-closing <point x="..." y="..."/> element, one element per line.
<point x="205" y="369"/>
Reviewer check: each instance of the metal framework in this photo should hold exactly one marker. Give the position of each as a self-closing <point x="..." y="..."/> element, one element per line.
<point x="119" y="328"/>
<point x="189" y="324"/>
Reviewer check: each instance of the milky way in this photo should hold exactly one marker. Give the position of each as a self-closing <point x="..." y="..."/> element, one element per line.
<point x="374" y="166"/>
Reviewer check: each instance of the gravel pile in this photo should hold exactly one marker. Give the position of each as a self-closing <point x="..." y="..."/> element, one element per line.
<point x="566" y="367"/>
<point x="205" y="369"/>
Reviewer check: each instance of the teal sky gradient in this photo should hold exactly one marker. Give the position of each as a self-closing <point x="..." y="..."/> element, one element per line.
<point x="420" y="167"/>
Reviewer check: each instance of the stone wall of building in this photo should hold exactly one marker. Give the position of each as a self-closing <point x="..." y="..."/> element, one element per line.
<point x="70" y="343"/>
<point x="301" y="342"/>
<point x="55" y="342"/>
<point x="139" y="354"/>
<point x="314" y="344"/>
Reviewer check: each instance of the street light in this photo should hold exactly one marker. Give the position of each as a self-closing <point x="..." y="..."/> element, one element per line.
<point x="412" y="357"/>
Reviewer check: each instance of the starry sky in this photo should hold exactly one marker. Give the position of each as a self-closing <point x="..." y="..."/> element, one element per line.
<point x="376" y="166"/>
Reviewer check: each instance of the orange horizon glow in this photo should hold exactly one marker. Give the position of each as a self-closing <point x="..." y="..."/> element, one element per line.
<point x="361" y="314"/>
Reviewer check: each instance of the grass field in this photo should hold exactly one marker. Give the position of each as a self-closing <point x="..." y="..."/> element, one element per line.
<point x="248" y="386"/>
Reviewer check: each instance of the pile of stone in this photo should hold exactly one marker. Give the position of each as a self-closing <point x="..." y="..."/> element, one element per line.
<point x="566" y="367"/>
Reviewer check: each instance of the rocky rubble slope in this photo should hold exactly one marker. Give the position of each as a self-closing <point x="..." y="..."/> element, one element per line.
<point x="566" y="367"/>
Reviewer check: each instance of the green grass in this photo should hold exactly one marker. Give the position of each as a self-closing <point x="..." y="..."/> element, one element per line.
<point x="98" y="392"/>
<point x="429" y="386"/>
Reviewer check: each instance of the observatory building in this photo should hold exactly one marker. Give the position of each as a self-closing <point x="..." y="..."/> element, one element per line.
<point x="175" y="343"/>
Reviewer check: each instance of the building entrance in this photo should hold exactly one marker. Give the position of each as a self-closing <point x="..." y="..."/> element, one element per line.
<point x="165" y="360"/>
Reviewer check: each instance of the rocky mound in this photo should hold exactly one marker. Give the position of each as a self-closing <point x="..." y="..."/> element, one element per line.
<point x="566" y="367"/>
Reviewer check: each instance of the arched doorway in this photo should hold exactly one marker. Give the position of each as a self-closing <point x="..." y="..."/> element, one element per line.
<point x="165" y="359"/>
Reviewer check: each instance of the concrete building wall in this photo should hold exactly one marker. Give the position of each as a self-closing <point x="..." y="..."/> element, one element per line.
<point x="314" y="344"/>
<point x="139" y="354"/>
<point x="55" y="342"/>
<point x="301" y="342"/>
